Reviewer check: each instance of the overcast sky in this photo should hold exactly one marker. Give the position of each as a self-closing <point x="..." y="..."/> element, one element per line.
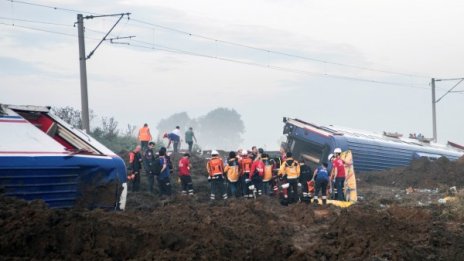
<point x="416" y="40"/>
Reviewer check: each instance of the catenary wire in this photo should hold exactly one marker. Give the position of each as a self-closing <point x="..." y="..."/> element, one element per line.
<point x="180" y="51"/>
<point x="233" y="43"/>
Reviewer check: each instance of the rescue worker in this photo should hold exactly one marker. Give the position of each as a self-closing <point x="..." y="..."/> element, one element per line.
<point x="306" y="176"/>
<point x="175" y="138"/>
<point x="215" y="168"/>
<point x="269" y="166"/>
<point x="338" y="171"/>
<point x="245" y="169"/>
<point x="256" y="174"/>
<point x="290" y="171"/>
<point x="232" y="174"/>
<point x="254" y="152"/>
<point x="164" y="181"/>
<point x="144" y="137"/>
<point x="135" y="167"/>
<point x="321" y="175"/>
<point x="185" y="175"/>
<point x="149" y="159"/>
<point x="189" y="137"/>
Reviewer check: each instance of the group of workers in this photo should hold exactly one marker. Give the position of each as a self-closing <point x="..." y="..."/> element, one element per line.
<point x="252" y="174"/>
<point x="174" y="138"/>
<point x="243" y="173"/>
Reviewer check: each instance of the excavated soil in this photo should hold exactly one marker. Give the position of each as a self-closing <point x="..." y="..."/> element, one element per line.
<point x="191" y="228"/>
<point x="421" y="173"/>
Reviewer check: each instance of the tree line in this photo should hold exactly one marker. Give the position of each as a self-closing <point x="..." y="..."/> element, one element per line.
<point x="220" y="128"/>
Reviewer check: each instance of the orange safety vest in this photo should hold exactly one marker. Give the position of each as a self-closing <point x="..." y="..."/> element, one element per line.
<point x="144" y="134"/>
<point x="215" y="166"/>
<point x="232" y="172"/>
<point x="268" y="168"/>
<point x="245" y="165"/>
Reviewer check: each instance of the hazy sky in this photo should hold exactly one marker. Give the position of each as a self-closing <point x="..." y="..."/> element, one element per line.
<point x="415" y="39"/>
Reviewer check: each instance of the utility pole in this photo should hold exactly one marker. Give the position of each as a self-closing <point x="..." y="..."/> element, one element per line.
<point x="83" y="72"/>
<point x="83" y="62"/>
<point x="434" y="112"/>
<point x="435" y="101"/>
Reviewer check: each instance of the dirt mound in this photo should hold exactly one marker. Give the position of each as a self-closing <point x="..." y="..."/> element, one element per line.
<point x="421" y="173"/>
<point x="191" y="228"/>
<point x="364" y="232"/>
<point x="242" y="229"/>
<point x="184" y="230"/>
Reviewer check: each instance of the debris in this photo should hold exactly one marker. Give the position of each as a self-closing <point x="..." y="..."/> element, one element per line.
<point x="409" y="190"/>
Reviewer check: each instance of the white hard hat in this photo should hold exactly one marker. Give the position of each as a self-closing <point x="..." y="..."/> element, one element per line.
<point x="244" y="152"/>
<point x="285" y="186"/>
<point x="337" y="150"/>
<point x="330" y="156"/>
<point x="214" y="152"/>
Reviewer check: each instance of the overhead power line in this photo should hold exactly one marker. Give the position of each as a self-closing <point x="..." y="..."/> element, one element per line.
<point x="43" y="30"/>
<point x="51" y="7"/>
<point x="363" y="68"/>
<point x="280" y="68"/>
<point x="277" y="52"/>
<point x="33" y="21"/>
<point x="37" y="29"/>
<point x="147" y="45"/>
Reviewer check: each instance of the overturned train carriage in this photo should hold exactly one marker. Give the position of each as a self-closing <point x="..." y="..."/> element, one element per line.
<point x="43" y="157"/>
<point x="371" y="151"/>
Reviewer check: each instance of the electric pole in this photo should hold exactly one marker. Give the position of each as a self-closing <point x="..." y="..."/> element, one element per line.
<point x="434" y="101"/>
<point x="83" y="62"/>
<point x="83" y="72"/>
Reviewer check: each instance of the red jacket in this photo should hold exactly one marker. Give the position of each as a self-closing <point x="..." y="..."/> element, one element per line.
<point x="184" y="166"/>
<point x="257" y="168"/>
<point x="339" y="165"/>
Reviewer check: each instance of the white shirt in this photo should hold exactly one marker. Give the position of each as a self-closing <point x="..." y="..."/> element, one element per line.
<point x="176" y="131"/>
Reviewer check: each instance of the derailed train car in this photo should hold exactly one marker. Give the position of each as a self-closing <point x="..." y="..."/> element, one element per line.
<point x="370" y="151"/>
<point x="43" y="157"/>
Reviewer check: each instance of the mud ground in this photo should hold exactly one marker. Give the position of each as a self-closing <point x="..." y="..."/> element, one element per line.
<point x="397" y="218"/>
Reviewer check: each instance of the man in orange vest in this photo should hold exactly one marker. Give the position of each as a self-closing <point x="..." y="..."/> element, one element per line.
<point x="232" y="174"/>
<point x="144" y="137"/>
<point x="245" y="168"/>
<point x="215" y="168"/>
<point x="269" y="166"/>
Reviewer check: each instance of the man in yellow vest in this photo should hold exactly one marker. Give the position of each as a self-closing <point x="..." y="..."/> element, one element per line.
<point x="144" y="137"/>
<point x="290" y="171"/>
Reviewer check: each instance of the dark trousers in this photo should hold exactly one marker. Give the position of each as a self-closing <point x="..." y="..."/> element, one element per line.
<point x="190" y="143"/>
<point x="243" y="185"/>
<point x="176" y="146"/>
<point x="186" y="183"/>
<point x="321" y="186"/>
<point x="266" y="188"/>
<point x="217" y="188"/>
<point x="164" y="186"/>
<point x="233" y="188"/>
<point x="293" y="189"/>
<point x="136" y="182"/>
<point x="151" y="182"/>
<point x="339" y="184"/>
<point x="258" y="182"/>
<point x="144" y="145"/>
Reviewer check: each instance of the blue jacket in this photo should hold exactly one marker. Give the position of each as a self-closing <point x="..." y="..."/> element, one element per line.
<point x="173" y="137"/>
<point x="165" y="172"/>
<point x="322" y="173"/>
